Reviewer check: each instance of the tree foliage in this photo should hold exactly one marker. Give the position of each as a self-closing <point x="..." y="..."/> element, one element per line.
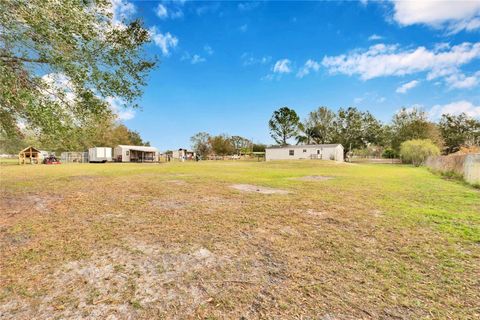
<point x="413" y="124"/>
<point x="201" y="143"/>
<point x="60" y="61"/>
<point x="417" y="151"/>
<point x="221" y="145"/>
<point x="318" y="128"/>
<point x="355" y="129"/>
<point x="283" y="125"/>
<point x="106" y="132"/>
<point x="241" y="145"/>
<point x="459" y="130"/>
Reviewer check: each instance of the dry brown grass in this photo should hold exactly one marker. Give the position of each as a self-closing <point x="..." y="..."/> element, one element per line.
<point x="176" y="241"/>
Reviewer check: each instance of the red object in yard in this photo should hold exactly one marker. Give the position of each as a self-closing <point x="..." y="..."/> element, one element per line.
<point x="51" y="160"/>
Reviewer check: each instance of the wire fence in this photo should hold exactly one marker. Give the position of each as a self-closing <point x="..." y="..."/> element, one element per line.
<point x="74" y="157"/>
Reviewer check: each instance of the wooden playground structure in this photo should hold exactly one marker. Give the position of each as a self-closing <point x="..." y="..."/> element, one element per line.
<point x="29" y="155"/>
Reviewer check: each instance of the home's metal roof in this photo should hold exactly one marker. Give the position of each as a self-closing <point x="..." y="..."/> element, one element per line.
<point x="300" y="146"/>
<point x="139" y="148"/>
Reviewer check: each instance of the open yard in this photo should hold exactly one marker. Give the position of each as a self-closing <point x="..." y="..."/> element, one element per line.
<point x="310" y="239"/>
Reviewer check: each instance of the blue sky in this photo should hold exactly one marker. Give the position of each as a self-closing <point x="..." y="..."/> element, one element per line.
<point x="226" y="66"/>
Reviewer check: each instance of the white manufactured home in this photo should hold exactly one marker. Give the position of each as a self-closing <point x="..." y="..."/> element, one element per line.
<point x="311" y="151"/>
<point x="123" y="153"/>
<point x="99" y="154"/>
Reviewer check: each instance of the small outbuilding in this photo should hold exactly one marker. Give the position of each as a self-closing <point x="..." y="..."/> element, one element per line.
<point x="124" y="153"/>
<point x="30" y="155"/>
<point x="99" y="154"/>
<point x="311" y="151"/>
<point x="183" y="154"/>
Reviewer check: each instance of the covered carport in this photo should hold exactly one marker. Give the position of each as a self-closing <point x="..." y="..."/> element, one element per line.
<point x="125" y="153"/>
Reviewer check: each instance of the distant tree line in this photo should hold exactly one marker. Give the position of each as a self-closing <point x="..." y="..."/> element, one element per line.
<point x="205" y="144"/>
<point x="105" y="132"/>
<point x="357" y="130"/>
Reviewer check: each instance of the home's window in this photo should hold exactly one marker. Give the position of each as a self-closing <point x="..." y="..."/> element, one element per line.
<point x="318" y="151"/>
<point x="304" y="150"/>
<point x="291" y="152"/>
<point x="127" y="153"/>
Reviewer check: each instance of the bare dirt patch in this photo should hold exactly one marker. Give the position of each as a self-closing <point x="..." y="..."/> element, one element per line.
<point x="120" y="282"/>
<point x="176" y="182"/>
<point x="314" y="178"/>
<point x="315" y="213"/>
<point x="169" y="203"/>
<point x="258" y="189"/>
<point x="84" y="178"/>
<point x="15" y="204"/>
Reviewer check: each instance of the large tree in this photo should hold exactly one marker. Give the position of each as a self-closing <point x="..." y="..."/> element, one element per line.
<point x="241" y="144"/>
<point x="459" y="130"/>
<point x="355" y="129"/>
<point x="283" y="125"/>
<point x="410" y="124"/>
<point x="61" y="61"/>
<point x="319" y="127"/>
<point x="221" y="145"/>
<point x="201" y="143"/>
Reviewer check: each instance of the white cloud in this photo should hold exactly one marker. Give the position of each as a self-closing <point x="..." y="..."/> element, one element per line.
<point x="456" y="107"/>
<point x="243" y="28"/>
<point x="310" y="65"/>
<point x="194" y="59"/>
<point x="116" y="105"/>
<point x="460" y="81"/>
<point x="249" y="60"/>
<point x="454" y="16"/>
<point x="166" y="41"/>
<point x="358" y="100"/>
<point x="162" y="11"/>
<point x="208" y="49"/>
<point x="407" y="86"/>
<point x="121" y="10"/>
<point x="170" y="10"/>
<point x="383" y="60"/>
<point x="245" y="6"/>
<point x="375" y="37"/>
<point x="60" y="87"/>
<point x="197" y="59"/>
<point x="282" y="66"/>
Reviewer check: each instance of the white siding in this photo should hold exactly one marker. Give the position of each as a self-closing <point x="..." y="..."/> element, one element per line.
<point x="99" y="154"/>
<point x="330" y="152"/>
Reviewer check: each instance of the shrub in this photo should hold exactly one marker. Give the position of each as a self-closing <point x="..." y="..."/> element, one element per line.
<point x="389" y="153"/>
<point x="417" y="151"/>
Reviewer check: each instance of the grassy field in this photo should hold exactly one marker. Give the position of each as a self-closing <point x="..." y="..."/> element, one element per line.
<point x="176" y="240"/>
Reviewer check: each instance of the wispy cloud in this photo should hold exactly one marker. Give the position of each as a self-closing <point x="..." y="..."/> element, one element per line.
<point x="243" y="28"/>
<point x="407" y="86"/>
<point x="166" y="41"/>
<point x="282" y="66"/>
<point x="309" y="66"/>
<point x="460" y="81"/>
<point x="170" y="9"/>
<point x="246" y="6"/>
<point x="375" y="37"/>
<point x="249" y="60"/>
<point x="193" y="59"/>
<point x="208" y="50"/>
<point x="383" y="60"/>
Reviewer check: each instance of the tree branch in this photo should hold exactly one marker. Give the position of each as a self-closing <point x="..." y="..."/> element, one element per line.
<point x="7" y="58"/>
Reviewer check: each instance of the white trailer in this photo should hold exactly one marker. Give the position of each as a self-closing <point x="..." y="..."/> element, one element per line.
<point x="99" y="154"/>
<point x="312" y="151"/>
